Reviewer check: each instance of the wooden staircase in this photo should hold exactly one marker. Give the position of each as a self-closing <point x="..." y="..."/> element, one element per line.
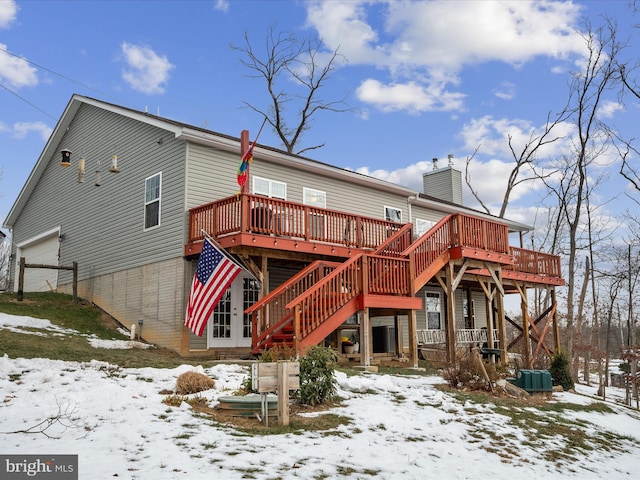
<point x="312" y="304"/>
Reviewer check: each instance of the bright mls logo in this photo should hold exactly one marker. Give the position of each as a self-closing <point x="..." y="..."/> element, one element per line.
<point x="50" y="467"/>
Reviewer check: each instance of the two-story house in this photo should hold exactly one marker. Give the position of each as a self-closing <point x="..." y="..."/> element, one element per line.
<point x="328" y="253"/>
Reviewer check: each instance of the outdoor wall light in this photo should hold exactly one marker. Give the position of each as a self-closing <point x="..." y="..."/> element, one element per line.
<point x="66" y="158"/>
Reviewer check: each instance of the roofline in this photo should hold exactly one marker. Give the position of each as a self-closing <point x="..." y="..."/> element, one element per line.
<point x="228" y="143"/>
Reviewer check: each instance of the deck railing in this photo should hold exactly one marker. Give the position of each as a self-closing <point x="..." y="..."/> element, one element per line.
<point x="360" y="275"/>
<point x="537" y="263"/>
<point x="270" y="311"/>
<point x="463" y="336"/>
<point x="248" y="213"/>
<point x="309" y="303"/>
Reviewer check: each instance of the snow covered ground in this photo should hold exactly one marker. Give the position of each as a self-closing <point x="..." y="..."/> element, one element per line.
<point x="402" y="427"/>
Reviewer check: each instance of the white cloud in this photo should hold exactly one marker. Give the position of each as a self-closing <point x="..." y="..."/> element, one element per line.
<point x="490" y="168"/>
<point x="222" y="5"/>
<point x="609" y="109"/>
<point x="409" y="176"/>
<point x="147" y="71"/>
<point x="491" y="135"/>
<point x="410" y="96"/>
<point x="22" y="129"/>
<point x="15" y="71"/>
<point x="425" y="45"/>
<point x="506" y="91"/>
<point x="8" y="13"/>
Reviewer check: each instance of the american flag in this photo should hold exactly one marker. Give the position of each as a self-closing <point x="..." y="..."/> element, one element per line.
<point x="214" y="274"/>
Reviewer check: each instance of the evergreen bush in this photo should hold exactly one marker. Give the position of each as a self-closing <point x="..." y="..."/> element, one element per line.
<point x="317" y="379"/>
<point x="560" y="371"/>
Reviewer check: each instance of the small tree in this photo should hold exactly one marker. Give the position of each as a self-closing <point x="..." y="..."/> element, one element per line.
<point x="317" y="380"/>
<point x="560" y="371"/>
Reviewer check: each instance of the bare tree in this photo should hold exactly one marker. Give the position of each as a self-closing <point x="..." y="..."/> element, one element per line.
<point x="524" y="158"/>
<point x="587" y="92"/>
<point x="300" y="62"/>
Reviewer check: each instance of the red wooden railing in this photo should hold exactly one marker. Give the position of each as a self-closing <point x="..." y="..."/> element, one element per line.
<point x="263" y="215"/>
<point x="391" y="273"/>
<point x="397" y="243"/>
<point x="269" y="314"/>
<point x="537" y="263"/>
<point x="326" y="287"/>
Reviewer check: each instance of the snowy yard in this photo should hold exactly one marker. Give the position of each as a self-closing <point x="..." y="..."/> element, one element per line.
<point x="401" y="427"/>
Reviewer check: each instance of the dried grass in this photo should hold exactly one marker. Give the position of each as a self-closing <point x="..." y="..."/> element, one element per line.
<point x="193" y="382"/>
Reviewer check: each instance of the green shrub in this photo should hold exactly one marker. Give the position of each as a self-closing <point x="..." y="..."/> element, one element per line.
<point x="317" y="380"/>
<point x="560" y="371"/>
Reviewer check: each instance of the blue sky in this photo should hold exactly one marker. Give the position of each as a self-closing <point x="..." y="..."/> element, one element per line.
<point x="426" y="79"/>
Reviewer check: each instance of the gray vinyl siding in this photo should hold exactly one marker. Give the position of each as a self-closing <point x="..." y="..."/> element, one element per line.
<point x="103" y="226"/>
<point x="445" y="184"/>
<point x="425" y="214"/>
<point x="211" y="175"/>
<point x="342" y="195"/>
<point x="480" y="317"/>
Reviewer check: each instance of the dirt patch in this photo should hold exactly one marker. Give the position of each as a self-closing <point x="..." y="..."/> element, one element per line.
<point x="297" y="417"/>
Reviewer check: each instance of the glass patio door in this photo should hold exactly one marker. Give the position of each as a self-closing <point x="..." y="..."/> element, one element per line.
<point x="229" y="326"/>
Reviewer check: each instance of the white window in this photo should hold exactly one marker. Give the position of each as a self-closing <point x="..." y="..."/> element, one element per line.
<point x="422" y="226"/>
<point x="434" y="310"/>
<point x="269" y="188"/>
<point x="393" y="214"/>
<point x="152" y="195"/>
<point x="315" y="198"/>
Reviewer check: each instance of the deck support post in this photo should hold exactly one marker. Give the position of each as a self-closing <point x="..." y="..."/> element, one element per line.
<point x="501" y="323"/>
<point x="452" y="343"/>
<point x="524" y="306"/>
<point x="366" y="346"/>
<point x="556" y="332"/>
<point x="397" y="323"/>
<point x="413" y="339"/>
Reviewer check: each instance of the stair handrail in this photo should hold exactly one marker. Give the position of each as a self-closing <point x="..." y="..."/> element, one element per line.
<point x="396" y="243"/>
<point x="287" y="285"/>
<point x="351" y="291"/>
<point x="346" y="282"/>
<point x="261" y="321"/>
<point x="343" y="285"/>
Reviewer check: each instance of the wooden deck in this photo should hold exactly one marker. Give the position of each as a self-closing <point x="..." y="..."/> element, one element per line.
<point x="260" y="222"/>
<point x="374" y="263"/>
<point x="257" y="222"/>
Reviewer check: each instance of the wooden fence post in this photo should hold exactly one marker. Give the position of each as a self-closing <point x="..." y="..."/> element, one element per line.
<point x="283" y="393"/>
<point x="75" y="282"/>
<point x="21" y="280"/>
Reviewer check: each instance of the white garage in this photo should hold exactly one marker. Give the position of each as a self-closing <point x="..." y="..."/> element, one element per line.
<point x="41" y="250"/>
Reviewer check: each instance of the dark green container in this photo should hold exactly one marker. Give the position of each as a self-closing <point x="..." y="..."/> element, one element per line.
<point x="534" y="381"/>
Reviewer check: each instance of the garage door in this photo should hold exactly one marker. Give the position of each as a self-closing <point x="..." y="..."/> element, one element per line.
<point x="44" y="251"/>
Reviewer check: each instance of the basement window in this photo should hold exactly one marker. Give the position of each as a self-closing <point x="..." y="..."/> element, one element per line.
<point x="152" y="194"/>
